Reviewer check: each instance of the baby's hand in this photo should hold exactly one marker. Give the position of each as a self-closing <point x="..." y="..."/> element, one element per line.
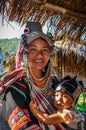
<point x="67" y="116"/>
<point x="33" y="106"/>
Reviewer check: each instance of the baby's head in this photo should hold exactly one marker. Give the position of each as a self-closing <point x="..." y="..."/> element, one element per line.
<point x="67" y="92"/>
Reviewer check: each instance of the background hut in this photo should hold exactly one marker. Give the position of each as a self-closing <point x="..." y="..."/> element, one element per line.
<point x="65" y="19"/>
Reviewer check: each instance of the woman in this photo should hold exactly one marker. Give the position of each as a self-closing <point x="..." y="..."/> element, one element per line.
<point x="34" y="79"/>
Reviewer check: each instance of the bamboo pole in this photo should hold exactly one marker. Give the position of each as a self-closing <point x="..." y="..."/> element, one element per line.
<point x="64" y="11"/>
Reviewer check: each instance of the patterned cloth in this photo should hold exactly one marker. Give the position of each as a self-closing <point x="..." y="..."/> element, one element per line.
<point x="43" y="104"/>
<point x="16" y="110"/>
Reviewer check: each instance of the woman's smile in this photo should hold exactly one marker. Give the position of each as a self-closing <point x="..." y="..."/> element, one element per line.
<point x="38" y="61"/>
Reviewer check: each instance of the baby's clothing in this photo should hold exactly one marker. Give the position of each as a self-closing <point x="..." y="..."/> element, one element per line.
<point x="78" y="122"/>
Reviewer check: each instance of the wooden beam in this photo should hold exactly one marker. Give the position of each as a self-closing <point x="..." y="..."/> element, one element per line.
<point x="56" y="8"/>
<point x="37" y="1"/>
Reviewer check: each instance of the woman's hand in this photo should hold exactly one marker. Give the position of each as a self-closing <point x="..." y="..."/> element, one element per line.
<point x="33" y="106"/>
<point x="36" y="112"/>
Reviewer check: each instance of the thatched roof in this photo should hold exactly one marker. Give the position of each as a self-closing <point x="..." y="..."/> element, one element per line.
<point x="66" y="19"/>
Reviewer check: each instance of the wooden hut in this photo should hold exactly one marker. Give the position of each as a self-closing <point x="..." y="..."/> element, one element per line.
<point x="65" y="19"/>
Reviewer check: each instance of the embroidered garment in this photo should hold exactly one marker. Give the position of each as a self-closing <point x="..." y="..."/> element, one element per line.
<point x="16" y="110"/>
<point x="78" y="122"/>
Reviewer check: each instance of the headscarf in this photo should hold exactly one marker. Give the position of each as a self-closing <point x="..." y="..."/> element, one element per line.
<point x="32" y="32"/>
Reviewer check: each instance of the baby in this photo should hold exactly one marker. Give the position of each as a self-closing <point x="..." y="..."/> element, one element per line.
<point x="65" y="97"/>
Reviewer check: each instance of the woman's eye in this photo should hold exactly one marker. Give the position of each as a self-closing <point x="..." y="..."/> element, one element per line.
<point x="32" y="49"/>
<point x="45" y="50"/>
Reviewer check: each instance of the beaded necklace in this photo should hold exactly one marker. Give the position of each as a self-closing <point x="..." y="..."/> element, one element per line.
<point x="34" y="76"/>
<point x="39" y="82"/>
<point x="31" y="83"/>
<point x="47" y="86"/>
<point x="44" y="89"/>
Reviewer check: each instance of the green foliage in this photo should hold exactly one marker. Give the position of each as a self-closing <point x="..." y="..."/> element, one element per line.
<point x="9" y="45"/>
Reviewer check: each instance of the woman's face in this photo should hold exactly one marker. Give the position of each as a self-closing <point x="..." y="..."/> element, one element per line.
<point x="62" y="100"/>
<point x="38" y="54"/>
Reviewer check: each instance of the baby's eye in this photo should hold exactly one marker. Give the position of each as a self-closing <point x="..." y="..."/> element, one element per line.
<point x="57" y="97"/>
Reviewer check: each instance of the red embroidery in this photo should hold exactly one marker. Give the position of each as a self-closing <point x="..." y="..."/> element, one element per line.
<point x="18" y="118"/>
<point x="22" y="85"/>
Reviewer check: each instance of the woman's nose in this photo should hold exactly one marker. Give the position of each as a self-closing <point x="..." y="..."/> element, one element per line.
<point x="39" y="53"/>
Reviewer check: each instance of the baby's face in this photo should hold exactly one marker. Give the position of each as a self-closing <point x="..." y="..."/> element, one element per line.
<point x="62" y="100"/>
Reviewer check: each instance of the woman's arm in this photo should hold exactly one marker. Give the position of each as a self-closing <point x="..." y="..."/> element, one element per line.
<point x="44" y="117"/>
<point x="56" y="118"/>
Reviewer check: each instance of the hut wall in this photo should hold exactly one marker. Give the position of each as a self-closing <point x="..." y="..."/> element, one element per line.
<point x="70" y="65"/>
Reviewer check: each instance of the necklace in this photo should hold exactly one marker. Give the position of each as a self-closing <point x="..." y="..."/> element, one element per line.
<point x="41" y="81"/>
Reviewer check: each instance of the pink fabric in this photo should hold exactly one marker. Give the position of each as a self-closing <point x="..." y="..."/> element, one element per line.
<point x="10" y="78"/>
<point x="18" y="55"/>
